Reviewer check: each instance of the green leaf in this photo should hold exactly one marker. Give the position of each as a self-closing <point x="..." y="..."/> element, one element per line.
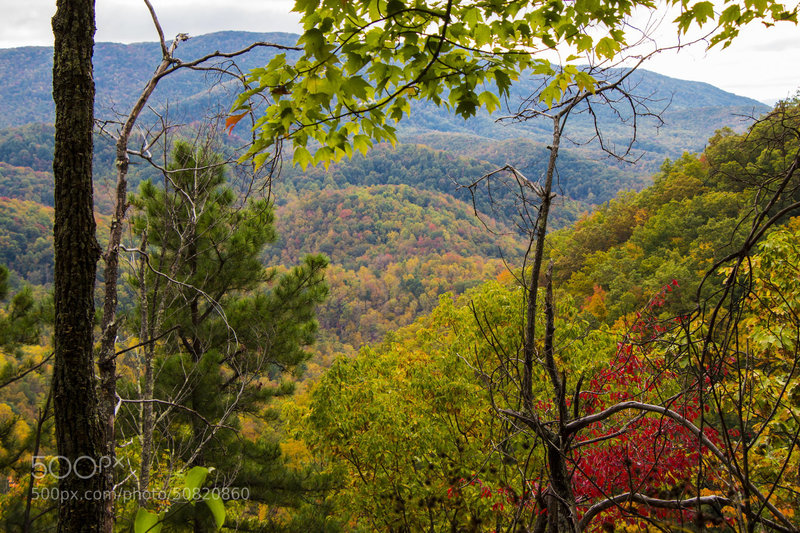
<point x="195" y="477"/>
<point x="399" y="108"/>
<point x="217" y="508"/>
<point x="314" y="41"/>
<point x="324" y="155"/>
<point x="356" y="87"/>
<point x="606" y="47"/>
<point x="394" y="6"/>
<point x="260" y="159"/>
<point x="503" y="82"/>
<point x="583" y="42"/>
<point x="483" y="35"/>
<point x="305" y="6"/>
<point x="362" y="143"/>
<point x="543" y="68"/>
<point x="730" y="14"/>
<point x="146" y="522"/>
<point x="470" y="17"/>
<point x="550" y="95"/>
<point x="585" y="81"/>
<point x="703" y="11"/>
<point x="302" y="157"/>
<point x="489" y="100"/>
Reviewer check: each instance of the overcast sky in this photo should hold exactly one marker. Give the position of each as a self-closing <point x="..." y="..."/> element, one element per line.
<point x="764" y="63"/>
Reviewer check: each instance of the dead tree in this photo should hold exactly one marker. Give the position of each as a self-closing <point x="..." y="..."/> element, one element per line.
<point x="709" y="344"/>
<point x="106" y="356"/>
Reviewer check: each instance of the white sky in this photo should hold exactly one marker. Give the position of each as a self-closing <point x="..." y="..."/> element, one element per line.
<point x="764" y="63"/>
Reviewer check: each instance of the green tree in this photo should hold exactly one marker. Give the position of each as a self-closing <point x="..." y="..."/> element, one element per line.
<point x="405" y="425"/>
<point x="407" y="422"/>
<point x="364" y="61"/>
<point x="19" y="324"/>
<point x="235" y="326"/>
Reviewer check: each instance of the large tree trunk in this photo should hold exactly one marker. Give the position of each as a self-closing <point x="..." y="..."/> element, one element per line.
<point x="78" y="429"/>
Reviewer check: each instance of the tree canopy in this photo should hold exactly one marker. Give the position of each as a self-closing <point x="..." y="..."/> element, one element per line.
<point x="364" y="61"/>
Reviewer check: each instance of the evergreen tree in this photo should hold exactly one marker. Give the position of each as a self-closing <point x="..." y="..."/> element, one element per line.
<point x="236" y="326"/>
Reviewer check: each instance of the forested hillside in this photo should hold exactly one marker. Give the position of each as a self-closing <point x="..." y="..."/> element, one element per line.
<point x="690" y="111"/>
<point x="632" y="282"/>
<point x="627" y="277"/>
<point x="581" y="318"/>
<point x="26" y="159"/>
<point x="393" y="249"/>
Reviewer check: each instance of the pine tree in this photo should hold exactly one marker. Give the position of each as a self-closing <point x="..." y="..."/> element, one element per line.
<point x="236" y="326"/>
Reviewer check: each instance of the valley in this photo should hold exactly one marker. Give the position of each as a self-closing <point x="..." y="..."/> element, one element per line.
<point x="353" y="341"/>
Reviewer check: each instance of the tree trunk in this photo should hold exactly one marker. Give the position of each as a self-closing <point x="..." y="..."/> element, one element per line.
<point x="78" y="428"/>
<point x="529" y="346"/>
<point x="43" y="416"/>
<point x="148" y="353"/>
<point x="107" y="362"/>
<point x="560" y="501"/>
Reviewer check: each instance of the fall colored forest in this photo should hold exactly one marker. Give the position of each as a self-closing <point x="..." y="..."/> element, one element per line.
<point x="401" y="274"/>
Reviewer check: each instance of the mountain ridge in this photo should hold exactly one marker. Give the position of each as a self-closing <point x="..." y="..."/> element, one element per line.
<point x="144" y="55"/>
<point x="695" y="111"/>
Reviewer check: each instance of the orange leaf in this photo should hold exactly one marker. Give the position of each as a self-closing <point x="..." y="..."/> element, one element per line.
<point x="232" y="120"/>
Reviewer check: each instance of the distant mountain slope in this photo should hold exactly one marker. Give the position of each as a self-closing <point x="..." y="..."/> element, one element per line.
<point x="26" y="241"/>
<point x="26" y="163"/>
<point x="688" y="114"/>
<point x="26" y="154"/>
<point x="357" y="226"/>
<point x="394" y="250"/>
<point x="121" y="71"/>
<point x="456" y="150"/>
<point x="444" y="171"/>
<point x="24" y="183"/>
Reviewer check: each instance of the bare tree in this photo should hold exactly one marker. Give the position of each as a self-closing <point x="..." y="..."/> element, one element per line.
<point x="121" y="132"/>
<point x="711" y="344"/>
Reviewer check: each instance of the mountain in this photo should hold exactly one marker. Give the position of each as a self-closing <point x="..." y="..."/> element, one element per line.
<point x="394" y="251"/>
<point x="121" y="71"/>
<point x="675" y="116"/>
<point x="691" y="110"/>
<point x="26" y="154"/>
<point x="369" y="226"/>
<point x="438" y="152"/>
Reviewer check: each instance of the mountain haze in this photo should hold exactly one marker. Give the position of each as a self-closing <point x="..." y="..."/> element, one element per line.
<point x="692" y="110"/>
